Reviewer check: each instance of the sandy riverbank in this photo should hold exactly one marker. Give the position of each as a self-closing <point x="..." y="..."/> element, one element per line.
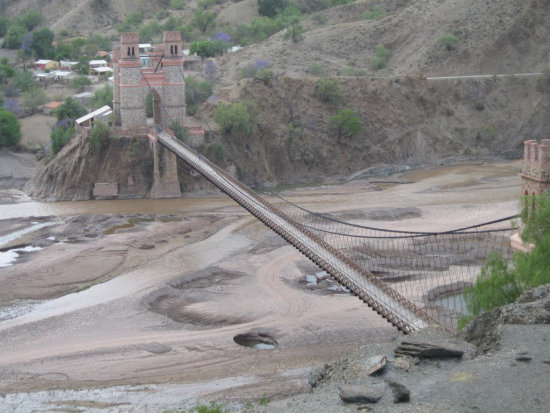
<point x="156" y="299"/>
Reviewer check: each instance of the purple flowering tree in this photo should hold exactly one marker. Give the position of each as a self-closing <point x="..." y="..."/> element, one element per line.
<point x="224" y="37"/>
<point x="210" y="70"/>
<point x="12" y="105"/>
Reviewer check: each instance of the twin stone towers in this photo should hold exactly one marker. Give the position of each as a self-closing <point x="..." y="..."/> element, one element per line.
<point x="136" y="74"/>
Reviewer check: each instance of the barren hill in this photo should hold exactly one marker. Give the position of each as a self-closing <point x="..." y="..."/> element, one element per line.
<point x="495" y="36"/>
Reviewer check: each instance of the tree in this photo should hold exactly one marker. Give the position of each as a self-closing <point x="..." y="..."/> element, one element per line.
<point x="14" y="37"/>
<point x="4" y="25"/>
<point x="203" y="20"/>
<point x="42" y="43"/>
<point x="328" y="90"/>
<point x="61" y="135"/>
<point x="23" y="80"/>
<point x="103" y="97"/>
<point x="10" y="133"/>
<point x="80" y="83"/>
<point x="234" y="118"/>
<point x="503" y="280"/>
<point x="270" y="8"/>
<point x="70" y="110"/>
<point x="31" y="19"/>
<point x="99" y="136"/>
<point x="34" y="98"/>
<point x="346" y="123"/>
<point x="196" y="93"/>
<point x="295" y="31"/>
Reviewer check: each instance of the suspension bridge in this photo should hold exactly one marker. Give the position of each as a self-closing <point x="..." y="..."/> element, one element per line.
<point x="412" y="279"/>
<point x="404" y="276"/>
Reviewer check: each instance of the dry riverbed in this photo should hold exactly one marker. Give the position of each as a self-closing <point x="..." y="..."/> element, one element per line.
<point x="137" y="310"/>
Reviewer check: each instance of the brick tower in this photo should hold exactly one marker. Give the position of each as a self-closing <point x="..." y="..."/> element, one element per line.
<point x="164" y="79"/>
<point x="535" y="177"/>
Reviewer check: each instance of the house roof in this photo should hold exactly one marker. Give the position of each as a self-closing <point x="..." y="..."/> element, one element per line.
<point x="53" y="105"/>
<point x="102" y="53"/>
<point x="98" y="62"/>
<point x="84" y="95"/>
<point x="103" y="111"/>
<point x="42" y="61"/>
<point x="145" y="45"/>
<point x="103" y="69"/>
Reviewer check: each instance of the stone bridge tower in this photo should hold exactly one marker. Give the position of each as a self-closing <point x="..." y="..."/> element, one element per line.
<point x="162" y="76"/>
<point x="535" y="179"/>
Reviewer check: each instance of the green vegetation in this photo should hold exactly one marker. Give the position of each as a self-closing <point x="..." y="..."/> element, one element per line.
<point x="380" y="58"/>
<point x="216" y="152"/>
<point x="265" y="75"/>
<point x="294" y="31"/>
<point x="503" y="280"/>
<point x="317" y="69"/>
<point x="354" y="71"/>
<point x="34" y="98"/>
<point x="80" y="83"/>
<point x="374" y="14"/>
<point x="196" y="93"/>
<point x="99" y="137"/>
<point x="209" y="48"/>
<point x="203" y="20"/>
<point x="346" y="123"/>
<point x="64" y="128"/>
<point x="319" y="18"/>
<point x="10" y="133"/>
<point x="103" y="96"/>
<point x="328" y="90"/>
<point x="211" y="408"/>
<point x="271" y="8"/>
<point x="234" y="119"/>
<point x="180" y="131"/>
<point x="449" y="41"/>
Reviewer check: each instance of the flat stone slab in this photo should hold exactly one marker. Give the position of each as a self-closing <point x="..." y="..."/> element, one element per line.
<point x="155" y="348"/>
<point x="362" y="393"/>
<point x="426" y="350"/>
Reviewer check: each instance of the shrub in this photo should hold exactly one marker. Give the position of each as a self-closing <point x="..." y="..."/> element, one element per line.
<point x="216" y="152"/>
<point x="61" y="135"/>
<point x="319" y="18"/>
<point x="10" y="129"/>
<point x="449" y="41"/>
<point x="34" y="98"/>
<point x="380" y="58"/>
<point x="271" y="8"/>
<point x="294" y="32"/>
<point x="374" y="14"/>
<point x="80" y="83"/>
<point x="328" y="90"/>
<point x="346" y="123"/>
<point x="265" y="75"/>
<point x="196" y="93"/>
<point x="99" y="137"/>
<point x="502" y="281"/>
<point x="316" y="69"/>
<point x="177" y="4"/>
<point x="103" y="96"/>
<point x="233" y="118"/>
<point x="203" y="20"/>
<point x="180" y="131"/>
<point x="69" y="110"/>
<point x="354" y="71"/>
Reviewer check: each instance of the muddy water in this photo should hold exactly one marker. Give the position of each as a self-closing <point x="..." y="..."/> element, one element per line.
<point x="149" y="206"/>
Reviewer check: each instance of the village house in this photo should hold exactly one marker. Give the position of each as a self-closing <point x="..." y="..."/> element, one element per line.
<point x="45" y="64"/>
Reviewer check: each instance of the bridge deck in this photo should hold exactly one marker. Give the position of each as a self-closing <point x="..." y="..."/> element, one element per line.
<point x="387" y="302"/>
